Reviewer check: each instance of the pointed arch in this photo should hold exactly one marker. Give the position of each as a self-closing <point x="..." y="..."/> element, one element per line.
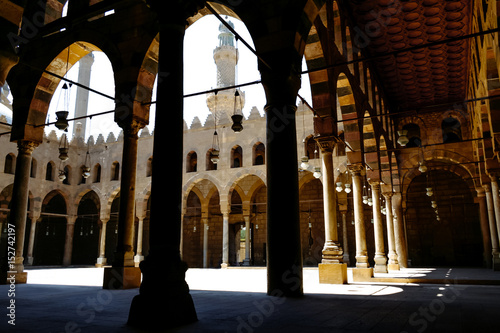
<point x="347" y="104"/>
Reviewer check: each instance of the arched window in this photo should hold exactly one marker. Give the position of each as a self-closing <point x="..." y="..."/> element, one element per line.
<point x="236" y="157"/>
<point x="97" y="173"/>
<point x="9" y="166"/>
<point x="33" y="168"/>
<point x="259" y="153"/>
<point x="149" y="167"/>
<point x="210" y="165"/>
<point x="49" y="172"/>
<point x="413" y="135"/>
<point x="67" y="173"/>
<point x="452" y="131"/>
<point x="115" y="171"/>
<point x="310" y="148"/>
<point x="192" y="162"/>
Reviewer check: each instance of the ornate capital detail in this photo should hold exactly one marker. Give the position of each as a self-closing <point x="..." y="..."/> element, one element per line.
<point x="374" y="183"/>
<point x="132" y="127"/>
<point x="356" y="169"/>
<point x="327" y="143"/>
<point x="26" y="147"/>
<point x="487" y="188"/>
<point x="387" y="195"/>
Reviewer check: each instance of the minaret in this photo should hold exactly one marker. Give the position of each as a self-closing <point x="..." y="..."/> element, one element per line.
<point x="82" y="95"/>
<point x="226" y="59"/>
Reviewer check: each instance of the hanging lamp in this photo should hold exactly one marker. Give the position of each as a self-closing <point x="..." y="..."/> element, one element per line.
<point x="62" y="115"/>
<point x="63" y="148"/>
<point x="237" y="116"/>
<point x="87" y="163"/>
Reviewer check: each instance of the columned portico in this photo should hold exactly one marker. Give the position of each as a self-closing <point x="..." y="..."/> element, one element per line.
<point x="19" y="208"/>
<point x="362" y="270"/>
<point x="495" y="251"/>
<point x="393" y="264"/>
<point x="378" y="229"/>
<point x="123" y="274"/>
<point x="101" y="260"/>
<point x="331" y="269"/>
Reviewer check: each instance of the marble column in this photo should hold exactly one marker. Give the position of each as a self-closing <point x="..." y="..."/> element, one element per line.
<point x="485" y="231"/>
<point x="68" y="242"/>
<point x="362" y="272"/>
<point x="399" y="230"/>
<point x="204" y="223"/>
<point x="246" y="217"/>
<point x="225" y="239"/>
<point x="345" y="239"/>
<point x="380" y="258"/>
<point x="101" y="260"/>
<point x="496" y="200"/>
<point x="140" y="232"/>
<point x="332" y="269"/>
<point x="123" y="274"/>
<point x="284" y="253"/>
<point x="393" y="264"/>
<point x="19" y="206"/>
<point x="31" y="240"/>
<point x="164" y="300"/>
<point x="493" y="228"/>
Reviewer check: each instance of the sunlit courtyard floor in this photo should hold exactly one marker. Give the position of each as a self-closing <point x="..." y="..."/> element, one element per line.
<point x="234" y="300"/>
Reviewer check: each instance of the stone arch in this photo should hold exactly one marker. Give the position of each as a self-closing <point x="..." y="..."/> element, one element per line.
<point x="348" y="112"/>
<point x="369" y="142"/>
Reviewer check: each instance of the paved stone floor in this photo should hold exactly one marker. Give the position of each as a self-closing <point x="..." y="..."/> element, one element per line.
<point x="234" y="300"/>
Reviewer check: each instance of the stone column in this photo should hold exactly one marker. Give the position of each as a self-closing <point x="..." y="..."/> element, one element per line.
<point x="399" y="230"/>
<point x="493" y="228"/>
<point x="246" y="217"/>
<point x="496" y="200"/>
<point x="101" y="261"/>
<point x="380" y="258"/>
<point x="123" y="274"/>
<point x="204" y="222"/>
<point x="68" y="243"/>
<point x="19" y="206"/>
<point x="225" y="239"/>
<point x="483" y="215"/>
<point x="31" y="244"/>
<point x="332" y="269"/>
<point x="164" y="300"/>
<point x="284" y="253"/>
<point x="393" y="257"/>
<point x="362" y="272"/>
<point x="140" y="231"/>
<point x="345" y="239"/>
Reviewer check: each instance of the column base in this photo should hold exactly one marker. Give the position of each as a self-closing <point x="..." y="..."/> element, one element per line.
<point x="13" y="278"/>
<point x="332" y="273"/>
<point x="496" y="262"/>
<point x="29" y="261"/>
<point x="137" y="260"/>
<point x="380" y="264"/>
<point x="246" y="262"/>
<point x="164" y="300"/>
<point x="224" y="265"/>
<point x="380" y="268"/>
<point x="393" y="267"/>
<point x="121" y="278"/>
<point x="362" y="274"/>
<point x="101" y="262"/>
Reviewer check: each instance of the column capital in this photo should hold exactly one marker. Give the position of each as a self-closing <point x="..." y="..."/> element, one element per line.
<point x="374" y="183"/>
<point x="26" y="147"/>
<point x="480" y="192"/>
<point x="487" y="188"/>
<point x="357" y="169"/>
<point x="327" y="143"/>
<point x="387" y="194"/>
<point x="131" y="127"/>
